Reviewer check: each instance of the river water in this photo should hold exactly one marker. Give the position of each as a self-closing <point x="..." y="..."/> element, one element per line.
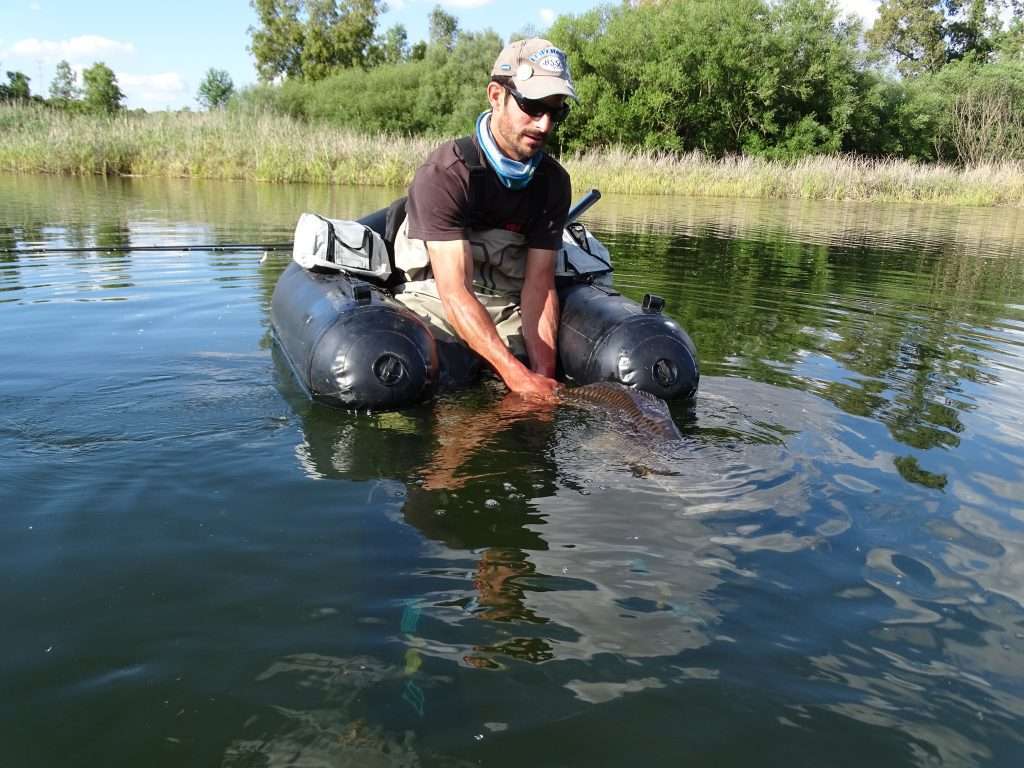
<point x="200" y="567"/>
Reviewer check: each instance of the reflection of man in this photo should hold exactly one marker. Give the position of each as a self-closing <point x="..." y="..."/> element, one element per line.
<point x="450" y="482"/>
<point x="485" y="220"/>
<point x="499" y="596"/>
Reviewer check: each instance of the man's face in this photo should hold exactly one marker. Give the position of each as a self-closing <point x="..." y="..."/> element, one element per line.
<point x="517" y="134"/>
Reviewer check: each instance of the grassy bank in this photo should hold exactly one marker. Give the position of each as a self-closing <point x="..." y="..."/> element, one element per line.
<point x="201" y="145"/>
<point x="277" y="149"/>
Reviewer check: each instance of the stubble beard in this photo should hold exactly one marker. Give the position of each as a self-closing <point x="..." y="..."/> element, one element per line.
<point x="509" y="139"/>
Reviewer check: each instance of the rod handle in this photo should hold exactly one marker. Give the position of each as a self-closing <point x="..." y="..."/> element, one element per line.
<point x="582" y="205"/>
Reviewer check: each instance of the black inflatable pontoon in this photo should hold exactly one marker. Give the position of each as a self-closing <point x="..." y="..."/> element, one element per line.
<point x="350" y="344"/>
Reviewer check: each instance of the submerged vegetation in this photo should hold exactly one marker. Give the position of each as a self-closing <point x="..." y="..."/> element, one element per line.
<point x="749" y="98"/>
<point x="274" y="148"/>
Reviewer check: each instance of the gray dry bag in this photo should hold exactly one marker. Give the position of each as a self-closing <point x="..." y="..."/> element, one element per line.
<point x="345" y="246"/>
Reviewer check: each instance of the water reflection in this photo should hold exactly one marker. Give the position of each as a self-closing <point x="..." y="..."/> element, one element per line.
<point x="896" y="312"/>
<point x="549" y="549"/>
<point x="559" y="522"/>
<point x="86" y="211"/>
<point x="900" y="336"/>
<point x="993" y="233"/>
<point x="828" y="559"/>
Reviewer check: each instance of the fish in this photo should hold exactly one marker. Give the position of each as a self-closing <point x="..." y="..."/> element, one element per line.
<point x="642" y="413"/>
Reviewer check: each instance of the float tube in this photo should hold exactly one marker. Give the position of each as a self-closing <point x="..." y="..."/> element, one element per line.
<point x="350" y="344"/>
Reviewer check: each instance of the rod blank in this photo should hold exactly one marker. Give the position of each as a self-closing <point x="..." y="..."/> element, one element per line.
<point x="129" y="248"/>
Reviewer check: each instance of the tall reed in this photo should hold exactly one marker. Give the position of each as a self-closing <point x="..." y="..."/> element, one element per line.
<point x="274" y="148"/>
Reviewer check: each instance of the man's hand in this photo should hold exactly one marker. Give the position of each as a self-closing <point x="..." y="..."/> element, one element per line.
<point x="452" y="264"/>
<point x="530" y="384"/>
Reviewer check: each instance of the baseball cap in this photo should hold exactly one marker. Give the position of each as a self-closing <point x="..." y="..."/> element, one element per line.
<point x="537" y="68"/>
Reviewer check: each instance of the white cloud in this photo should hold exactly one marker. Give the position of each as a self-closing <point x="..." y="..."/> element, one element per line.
<point x="866" y="9"/>
<point x="35" y="7"/>
<point x="159" y="90"/>
<point x="547" y="15"/>
<point x="79" y="47"/>
<point x="466" y="3"/>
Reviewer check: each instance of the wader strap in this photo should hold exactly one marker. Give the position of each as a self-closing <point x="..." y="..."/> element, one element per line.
<point x="470" y="155"/>
<point x="467" y="149"/>
<point x="392" y="222"/>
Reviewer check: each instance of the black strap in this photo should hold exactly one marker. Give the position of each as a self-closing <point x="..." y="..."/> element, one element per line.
<point x="364" y="246"/>
<point x="470" y="154"/>
<point x="330" y="237"/>
<point x="392" y="223"/>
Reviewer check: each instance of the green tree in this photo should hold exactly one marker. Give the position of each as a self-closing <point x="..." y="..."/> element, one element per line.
<point x="353" y="32"/>
<point x="318" y="56"/>
<point x="453" y="88"/>
<point x="277" y="41"/>
<point x="418" y="52"/>
<point x="312" y="38"/>
<point x="978" y="111"/>
<point x="17" y="87"/>
<point x="814" y="53"/>
<point x="215" y="89"/>
<point x="923" y="35"/>
<point x="912" y="33"/>
<point x="973" y="29"/>
<point x="444" y="29"/>
<point x="1011" y="42"/>
<point x="64" y="89"/>
<point x="395" y="45"/>
<point x="742" y="76"/>
<point x="102" y="93"/>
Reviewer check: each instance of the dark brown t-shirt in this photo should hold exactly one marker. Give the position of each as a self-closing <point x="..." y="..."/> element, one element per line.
<point x="439" y="200"/>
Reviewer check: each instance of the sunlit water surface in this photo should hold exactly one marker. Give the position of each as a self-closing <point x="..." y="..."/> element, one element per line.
<point x="200" y="567"/>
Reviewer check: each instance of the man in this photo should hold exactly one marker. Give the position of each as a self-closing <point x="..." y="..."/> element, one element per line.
<point x="481" y="235"/>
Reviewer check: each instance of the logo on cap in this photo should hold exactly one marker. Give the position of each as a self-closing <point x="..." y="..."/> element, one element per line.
<point x="551" y="59"/>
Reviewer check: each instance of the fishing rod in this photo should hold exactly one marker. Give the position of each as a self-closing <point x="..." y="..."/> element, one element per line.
<point x="129" y="248"/>
<point x="582" y="205"/>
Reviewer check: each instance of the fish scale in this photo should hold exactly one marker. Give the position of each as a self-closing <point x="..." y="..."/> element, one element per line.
<point x="646" y="413"/>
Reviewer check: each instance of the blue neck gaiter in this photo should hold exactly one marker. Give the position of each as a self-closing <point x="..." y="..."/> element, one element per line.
<point x="513" y="174"/>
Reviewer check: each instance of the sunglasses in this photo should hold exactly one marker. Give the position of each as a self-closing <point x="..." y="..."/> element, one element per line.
<point x="538" y="107"/>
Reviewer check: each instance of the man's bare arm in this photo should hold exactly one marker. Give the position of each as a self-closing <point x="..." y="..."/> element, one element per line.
<point x="452" y="264"/>
<point x="540" y="311"/>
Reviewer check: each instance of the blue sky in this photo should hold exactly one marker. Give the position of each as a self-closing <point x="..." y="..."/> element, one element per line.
<point x="160" y="51"/>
